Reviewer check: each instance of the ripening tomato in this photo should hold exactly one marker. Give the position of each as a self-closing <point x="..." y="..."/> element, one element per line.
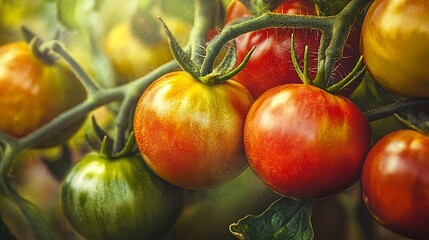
<point x="395" y="183"/>
<point x="271" y="63"/>
<point x="33" y="92"/>
<point x="135" y="47"/>
<point x="304" y="142"/>
<point x="119" y="198"/>
<point x="191" y="133"/>
<point x="394" y="44"/>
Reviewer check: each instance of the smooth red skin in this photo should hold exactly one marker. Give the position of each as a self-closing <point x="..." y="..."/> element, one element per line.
<point x="271" y="63"/>
<point x="190" y="133"/>
<point x="395" y="183"/>
<point x="305" y="143"/>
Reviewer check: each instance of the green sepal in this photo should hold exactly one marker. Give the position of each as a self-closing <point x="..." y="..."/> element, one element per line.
<point x="357" y="72"/>
<point x="183" y="59"/>
<point x="285" y="219"/>
<point x="104" y="144"/>
<point x="215" y="77"/>
<point x="35" y="44"/>
<point x="228" y="62"/>
<point x="303" y="74"/>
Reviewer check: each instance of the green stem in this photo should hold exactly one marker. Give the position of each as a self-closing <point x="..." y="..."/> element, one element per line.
<point x="340" y="29"/>
<point x="267" y="20"/>
<point x="203" y="22"/>
<point x="389" y="109"/>
<point x="85" y="79"/>
<point x="96" y="98"/>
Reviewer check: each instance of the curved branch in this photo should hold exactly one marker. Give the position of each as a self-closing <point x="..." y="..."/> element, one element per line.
<point x="267" y="20"/>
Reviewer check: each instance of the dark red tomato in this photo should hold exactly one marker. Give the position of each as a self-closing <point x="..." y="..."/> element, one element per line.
<point x="191" y="133"/>
<point x="271" y="64"/>
<point x="32" y="93"/>
<point x="395" y="183"/>
<point x="304" y="142"/>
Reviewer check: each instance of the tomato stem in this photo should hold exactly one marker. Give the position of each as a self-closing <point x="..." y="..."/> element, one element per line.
<point x="203" y="21"/>
<point x="89" y="84"/>
<point x="267" y="20"/>
<point x="397" y="107"/>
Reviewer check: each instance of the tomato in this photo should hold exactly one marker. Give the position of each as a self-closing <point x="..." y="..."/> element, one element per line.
<point x="271" y="64"/>
<point x="394" y="46"/>
<point x="395" y="183"/>
<point x="118" y="199"/>
<point x="191" y="133"/>
<point x="32" y="93"/>
<point x="135" y="50"/>
<point x="304" y="142"/>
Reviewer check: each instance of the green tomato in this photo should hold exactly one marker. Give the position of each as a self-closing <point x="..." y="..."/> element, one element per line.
<point x="118" y="199"/>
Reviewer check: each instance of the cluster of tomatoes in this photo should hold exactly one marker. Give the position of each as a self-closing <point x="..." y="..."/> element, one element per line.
<point x="300" y="140"/>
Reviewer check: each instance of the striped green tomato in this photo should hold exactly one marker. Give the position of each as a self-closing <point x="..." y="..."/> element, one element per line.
<point x="118" y="199"/>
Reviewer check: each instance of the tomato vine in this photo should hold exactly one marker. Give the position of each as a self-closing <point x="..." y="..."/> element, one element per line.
<point x="334" y="30"/>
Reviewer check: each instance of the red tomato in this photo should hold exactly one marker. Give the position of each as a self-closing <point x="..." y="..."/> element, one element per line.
<point x="271" y="64"/>
<point x="304" y="142"/>
<point x="395" y="183"/>
<point x="191" y="133"/>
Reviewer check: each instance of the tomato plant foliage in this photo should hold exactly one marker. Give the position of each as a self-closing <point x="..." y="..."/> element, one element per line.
<point x="201" y="120"/>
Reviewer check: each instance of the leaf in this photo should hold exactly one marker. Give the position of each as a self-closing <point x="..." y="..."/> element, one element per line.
<point x="284" y="219"/>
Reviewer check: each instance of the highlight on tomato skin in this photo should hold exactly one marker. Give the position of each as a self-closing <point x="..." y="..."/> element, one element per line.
<point x="395" y="183"/>
<point x="304" y="142"/>
<point x="197" y="128"/>
<point x="394" y="46"/>
<point x="27" y="89"/>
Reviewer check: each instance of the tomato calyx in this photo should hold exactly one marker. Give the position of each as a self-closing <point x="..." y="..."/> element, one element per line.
<point x="104" y="144"/>
<point x="320" y="80"/>
<point x="224" y="71"/>
<point x="35" y="45"/>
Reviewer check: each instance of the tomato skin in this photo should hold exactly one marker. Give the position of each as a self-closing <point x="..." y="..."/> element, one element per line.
<point x="118" y="199"/>
<point x="396" y="53"/>
<point x="304" y="142"/>
<point x="271" y="63"/>
<point x="191" y="133"/>
<point x="27" y="89"/>
<point x="395" y="183"/>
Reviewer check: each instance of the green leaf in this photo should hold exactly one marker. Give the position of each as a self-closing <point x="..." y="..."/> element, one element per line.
<point x="284" y="219"/>
<point x="182" y="58"/>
